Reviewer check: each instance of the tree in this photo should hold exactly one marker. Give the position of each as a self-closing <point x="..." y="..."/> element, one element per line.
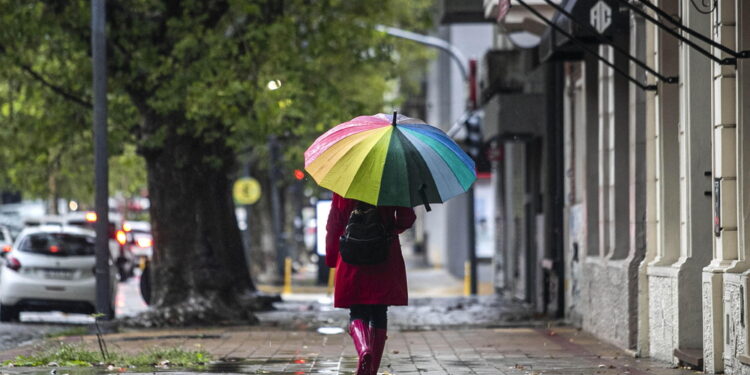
<point x="189" y="88"/>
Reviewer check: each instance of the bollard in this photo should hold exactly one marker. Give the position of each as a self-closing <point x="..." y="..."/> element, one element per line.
<point x="287" y="275"/>
<point x="467" y="278"/>
<point x="331" y="278"/>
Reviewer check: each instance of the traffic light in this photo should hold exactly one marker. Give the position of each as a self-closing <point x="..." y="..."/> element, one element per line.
<point x="298" y="174"/>
<point x="473" y="124"/>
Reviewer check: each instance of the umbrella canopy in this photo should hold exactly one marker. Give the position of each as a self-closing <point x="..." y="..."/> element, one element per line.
<point x="390" y="160"/>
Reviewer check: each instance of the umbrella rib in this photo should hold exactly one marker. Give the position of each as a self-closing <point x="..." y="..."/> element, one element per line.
<point x="470" y="168"/>
<point x="444" y="139"/>
<point x="344" y="187"/>
<point x="359" y="181"/>
<point x="450" y="185"/>
<point x="415" y="181"/>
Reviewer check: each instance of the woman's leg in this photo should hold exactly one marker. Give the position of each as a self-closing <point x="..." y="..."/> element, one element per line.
<point x="379" y="316"/>
<point x="359" y="317"/>
<point x="359" y="312"/>
<point x="378" y="331"/>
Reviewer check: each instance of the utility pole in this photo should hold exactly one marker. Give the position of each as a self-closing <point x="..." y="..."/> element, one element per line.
<point x="101" y="201"/>
<point x="475" y="146"/>
<point x="276" y="209"/>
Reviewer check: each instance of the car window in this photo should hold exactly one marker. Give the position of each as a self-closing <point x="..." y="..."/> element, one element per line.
<point x="3" y="238"/>
<point x="58" y="244"/>
<point x="90" y="225"/>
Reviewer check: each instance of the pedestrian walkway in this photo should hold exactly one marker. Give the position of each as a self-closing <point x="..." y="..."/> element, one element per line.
<point x="422" y="280"/>
<point x="516" y="351"/>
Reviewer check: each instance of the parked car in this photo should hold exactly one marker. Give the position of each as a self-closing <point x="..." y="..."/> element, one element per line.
<point x="51" y="268"/>
<point x="6" y="241"/>
<point x="121" y="256"/>
<point x="136" y="238"/>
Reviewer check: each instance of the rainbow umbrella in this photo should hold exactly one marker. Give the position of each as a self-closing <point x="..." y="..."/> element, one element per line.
<point x="390" y="160"/>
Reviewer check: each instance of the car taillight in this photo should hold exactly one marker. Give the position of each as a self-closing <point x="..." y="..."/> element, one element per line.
<point x="13" y="264"/>
<point x="6" y="248"/>
<point x="144" y="242"/>
<point x="121" y="237"/>
<point x="54" y="249"/>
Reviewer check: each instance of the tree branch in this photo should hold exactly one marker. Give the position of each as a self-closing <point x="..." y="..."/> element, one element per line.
<point x="57" y="89"/>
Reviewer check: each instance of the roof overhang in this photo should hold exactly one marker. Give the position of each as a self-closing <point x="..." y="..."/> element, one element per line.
<point x="461" y="11"/>
<point x="602" y="15"/>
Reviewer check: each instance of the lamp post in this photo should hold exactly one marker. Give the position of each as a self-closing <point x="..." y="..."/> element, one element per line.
<point x="101" y="201"/>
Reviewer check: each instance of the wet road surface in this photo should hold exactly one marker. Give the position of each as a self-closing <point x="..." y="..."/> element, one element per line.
<point x="36" y="325"/>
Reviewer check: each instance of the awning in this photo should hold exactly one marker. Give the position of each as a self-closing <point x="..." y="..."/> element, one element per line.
<point x="603" y="25"/>
<point x="602" y="15"/>
<point x="461" y="11"/>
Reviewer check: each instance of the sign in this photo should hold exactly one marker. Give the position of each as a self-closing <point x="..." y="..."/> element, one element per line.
<point x="246" y="190"/>
<point x="484" y="218"/>
<point x="503" y="6"/>
<point x="322" y="208"/>
<point x="601" y="16"/>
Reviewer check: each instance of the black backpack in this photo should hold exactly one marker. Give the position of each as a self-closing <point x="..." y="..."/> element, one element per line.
<point x="366" y="239"/>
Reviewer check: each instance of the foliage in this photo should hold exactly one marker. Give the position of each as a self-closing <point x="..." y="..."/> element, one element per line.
<point x="75" y="355"/>
<point x="62" y="354"/>
<point x="213" y="67"/>
<point x="188" y="92"/>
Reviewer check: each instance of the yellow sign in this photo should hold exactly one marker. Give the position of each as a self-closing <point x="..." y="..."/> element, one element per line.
<point x="246" y="190"/>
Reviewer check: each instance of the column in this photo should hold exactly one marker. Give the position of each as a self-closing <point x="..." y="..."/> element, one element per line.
<point x="662" y="277"/>
<point x="724" y="139"/>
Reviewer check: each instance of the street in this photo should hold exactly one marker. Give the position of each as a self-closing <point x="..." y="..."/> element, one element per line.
<point x="37" y="325"/>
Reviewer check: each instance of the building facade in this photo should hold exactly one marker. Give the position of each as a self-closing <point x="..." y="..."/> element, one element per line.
<point x="623" y="201"/>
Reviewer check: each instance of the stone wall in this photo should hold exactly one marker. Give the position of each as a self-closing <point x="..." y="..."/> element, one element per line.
<point x="734" y="315"/>
<point x="605" y="306"/>
<point x="662" y="292"/>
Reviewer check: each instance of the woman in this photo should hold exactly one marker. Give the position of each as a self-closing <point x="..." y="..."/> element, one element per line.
<point x="368" y="290"/>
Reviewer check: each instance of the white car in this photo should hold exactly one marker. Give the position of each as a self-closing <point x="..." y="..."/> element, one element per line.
<point x="6" y="241"/>
<point x="51" y="268"/>
<point x="138" y="239"/>
<point x="123" y="258"/>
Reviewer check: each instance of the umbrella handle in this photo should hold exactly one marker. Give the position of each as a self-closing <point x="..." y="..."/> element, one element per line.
<point x="423" y="194"/>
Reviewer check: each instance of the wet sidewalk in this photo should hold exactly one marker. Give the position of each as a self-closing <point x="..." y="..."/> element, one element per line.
<point x="522" y="351"/>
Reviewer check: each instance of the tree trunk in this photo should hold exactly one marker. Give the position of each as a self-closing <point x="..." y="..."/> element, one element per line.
<point x="198" y="268"/>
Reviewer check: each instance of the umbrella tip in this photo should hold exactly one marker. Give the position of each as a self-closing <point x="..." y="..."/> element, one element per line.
<point x="395" y="114"/>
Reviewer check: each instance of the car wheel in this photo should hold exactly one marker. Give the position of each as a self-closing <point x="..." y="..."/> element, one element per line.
<point x="9" y="313"/>
<point x="131" y="269"/>
<point x="146" y="285"/>
<point x="122" y="270"/>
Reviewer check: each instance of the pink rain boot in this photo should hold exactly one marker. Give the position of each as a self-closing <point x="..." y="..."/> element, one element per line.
<point x="359" y="330"/>
<point x="377" y="344"/>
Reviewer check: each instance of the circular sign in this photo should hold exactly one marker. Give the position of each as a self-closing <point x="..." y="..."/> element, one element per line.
<point x="246" y="190"/>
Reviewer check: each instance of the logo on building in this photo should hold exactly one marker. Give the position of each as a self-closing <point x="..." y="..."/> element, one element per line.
<point x="601" y="16"/>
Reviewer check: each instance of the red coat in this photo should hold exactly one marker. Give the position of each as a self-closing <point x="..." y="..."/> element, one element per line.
<point x="379" y="284"/>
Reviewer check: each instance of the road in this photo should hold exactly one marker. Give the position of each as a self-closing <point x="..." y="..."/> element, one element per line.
<point x="36" y="325"/>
